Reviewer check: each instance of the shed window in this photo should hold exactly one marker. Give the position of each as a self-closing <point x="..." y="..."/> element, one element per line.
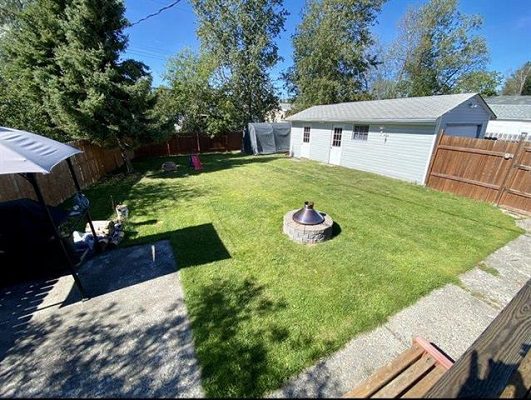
<point x="306" y="135"/>
<point x="360" y="132"/>
<point x="336" y="139"/>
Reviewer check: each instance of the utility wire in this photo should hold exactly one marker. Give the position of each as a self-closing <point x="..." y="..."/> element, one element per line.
<point x="159" y="11"/>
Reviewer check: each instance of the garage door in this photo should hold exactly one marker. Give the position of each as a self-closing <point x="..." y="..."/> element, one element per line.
<point x="469" y="130"/>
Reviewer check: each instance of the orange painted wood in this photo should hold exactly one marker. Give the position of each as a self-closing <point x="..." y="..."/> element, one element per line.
<point x="441" y="359"/>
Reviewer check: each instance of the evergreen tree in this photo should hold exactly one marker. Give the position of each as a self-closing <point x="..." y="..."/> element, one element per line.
<point x="332" y="49"/>
<point x="63" y="58"/>
<point x="27" y="65"/>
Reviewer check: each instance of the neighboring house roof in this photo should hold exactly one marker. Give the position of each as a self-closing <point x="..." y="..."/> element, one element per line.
<point x="407" y="109"/>
<point x="516" y="108"/>
<point x="510" y="100"/>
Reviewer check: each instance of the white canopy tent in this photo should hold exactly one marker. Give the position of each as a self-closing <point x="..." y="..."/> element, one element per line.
<point x="27" y="154"/>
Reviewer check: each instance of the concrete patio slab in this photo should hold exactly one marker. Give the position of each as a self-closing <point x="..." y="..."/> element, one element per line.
<point x="450" y="317"/>
<point x="131" y="339"/>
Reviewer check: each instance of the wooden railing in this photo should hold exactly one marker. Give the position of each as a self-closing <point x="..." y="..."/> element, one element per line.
<point x="498" y="364"/>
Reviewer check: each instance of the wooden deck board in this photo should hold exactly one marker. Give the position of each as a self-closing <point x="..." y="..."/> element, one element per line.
<point x="425" y="384"/>
<point x="487" y="366"/>
<point x="387" y="373"/>
<point x="403" y="382"/>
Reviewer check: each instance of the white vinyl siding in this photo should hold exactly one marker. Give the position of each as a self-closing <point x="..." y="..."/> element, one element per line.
<point x="463" y="114"/>
<point x="508" y="129"/>
<point x="296" y="139"/>
<point x="320" y="141"/>
<point x="398" y="151"/>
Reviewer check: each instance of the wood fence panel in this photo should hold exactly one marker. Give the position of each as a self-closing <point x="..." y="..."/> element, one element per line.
<point x="58" y="186"/>
<point x="95" y="162"/>
<point x="495" y="171"/>
<point x="188" y="144"/>
<point x="517" y="194"/>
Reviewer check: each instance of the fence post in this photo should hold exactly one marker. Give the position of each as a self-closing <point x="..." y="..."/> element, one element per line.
<point x="513" y="166"/>
<point x="433" y="156"/>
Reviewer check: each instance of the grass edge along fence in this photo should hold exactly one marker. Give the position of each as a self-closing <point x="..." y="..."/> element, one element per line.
<point x="95" y="162"/>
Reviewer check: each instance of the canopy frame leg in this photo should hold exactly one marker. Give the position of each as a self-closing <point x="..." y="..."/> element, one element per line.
<point x="87" y="212"/>
<point x="33" y="181"/>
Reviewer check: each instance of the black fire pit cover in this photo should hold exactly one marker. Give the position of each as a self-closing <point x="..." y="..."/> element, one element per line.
<point x="307" y="215"/>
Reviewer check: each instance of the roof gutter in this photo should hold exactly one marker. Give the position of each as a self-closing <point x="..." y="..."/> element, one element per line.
<point x="422" y="121"/>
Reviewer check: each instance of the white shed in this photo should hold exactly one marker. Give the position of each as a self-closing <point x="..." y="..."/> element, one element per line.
<point x="392" y="137"/>
<point x="513" y="116"/>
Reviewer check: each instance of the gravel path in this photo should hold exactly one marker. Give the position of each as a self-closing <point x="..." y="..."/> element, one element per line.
<point x="452" y="317"/>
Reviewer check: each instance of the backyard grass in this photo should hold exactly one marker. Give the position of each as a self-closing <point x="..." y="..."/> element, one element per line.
<point x="263" y="307"/>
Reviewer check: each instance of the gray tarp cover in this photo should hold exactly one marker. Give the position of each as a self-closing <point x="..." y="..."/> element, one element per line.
<point x="268" y="138"/>
<point x="22" y="151"/>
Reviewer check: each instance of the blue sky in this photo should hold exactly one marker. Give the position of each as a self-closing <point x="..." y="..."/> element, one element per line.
<point x="506" y="26"/>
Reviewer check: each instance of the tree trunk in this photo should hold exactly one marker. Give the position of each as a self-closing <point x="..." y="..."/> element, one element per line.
<point x="127" y="162"/>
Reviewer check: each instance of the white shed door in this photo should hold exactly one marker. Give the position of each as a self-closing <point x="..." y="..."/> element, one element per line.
<point x="469" y="130"/>
<point x="335" y="146"/>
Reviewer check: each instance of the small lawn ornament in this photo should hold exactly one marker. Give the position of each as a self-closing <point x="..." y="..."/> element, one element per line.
<point x="169" y="166"/>
<point x="122" y="212"/>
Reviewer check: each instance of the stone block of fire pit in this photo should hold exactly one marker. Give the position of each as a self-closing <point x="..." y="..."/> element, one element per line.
<point x="307" y="234"/>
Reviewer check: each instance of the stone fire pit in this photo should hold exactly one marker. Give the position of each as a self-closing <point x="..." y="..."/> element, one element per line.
<point x="306" y="233"/>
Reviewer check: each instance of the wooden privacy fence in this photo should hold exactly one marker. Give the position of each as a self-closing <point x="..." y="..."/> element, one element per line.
<point x="189" y="144"/>
<point x="58" y="186"/>
<point x="496" y="171"/>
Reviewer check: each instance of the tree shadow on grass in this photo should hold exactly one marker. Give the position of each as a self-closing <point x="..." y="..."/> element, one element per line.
<point x="234" y="354"/>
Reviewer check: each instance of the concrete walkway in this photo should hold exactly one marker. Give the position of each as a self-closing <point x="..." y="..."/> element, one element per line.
<point x="131" y="339"/>
<point x="451" y="317"/>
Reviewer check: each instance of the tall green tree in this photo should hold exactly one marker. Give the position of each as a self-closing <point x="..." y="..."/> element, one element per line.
<point x="193" y="98"/>
<point x="482" y="82"/>
<point x="332" y="51"/>
<point x="62" y="61"/>
<point x="27" y="64"/>
<point x="9" y="11"/>
<point x="240" y="36"/>
<point x="519" y="82"/>
<point x="439" y="51"/>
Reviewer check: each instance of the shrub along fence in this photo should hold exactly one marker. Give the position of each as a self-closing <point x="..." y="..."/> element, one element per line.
<point x="58" y="186"/>
<point x="191" y="144"/>
<point x="496" y="171"/>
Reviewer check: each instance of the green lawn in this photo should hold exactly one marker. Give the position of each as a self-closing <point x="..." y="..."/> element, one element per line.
<point x="263" y="307"/>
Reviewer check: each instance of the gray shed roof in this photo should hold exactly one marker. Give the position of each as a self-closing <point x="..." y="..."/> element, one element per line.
<point x="408" y="109"/>
<point x="516" y="108"/>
